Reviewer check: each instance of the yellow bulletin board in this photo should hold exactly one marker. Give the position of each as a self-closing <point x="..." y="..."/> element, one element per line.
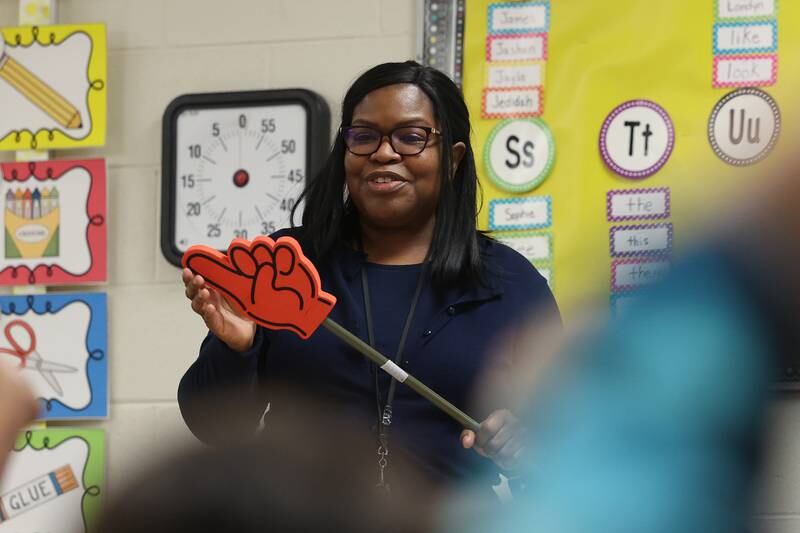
<point x="600" y="55"/>
<point x="52" y="87"/>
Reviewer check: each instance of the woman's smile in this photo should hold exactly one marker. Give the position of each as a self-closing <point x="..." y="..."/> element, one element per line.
<point x="383" y="182"/>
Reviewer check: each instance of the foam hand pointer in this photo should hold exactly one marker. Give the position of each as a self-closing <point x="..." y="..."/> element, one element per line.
<point x="271" y="282"/>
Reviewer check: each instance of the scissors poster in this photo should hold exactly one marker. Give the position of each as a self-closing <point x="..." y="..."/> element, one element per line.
<point x="52" y="87"/>
<point x="53" y="481"/>
<point x="55" y="222"/>
<point x="60" y="344"/>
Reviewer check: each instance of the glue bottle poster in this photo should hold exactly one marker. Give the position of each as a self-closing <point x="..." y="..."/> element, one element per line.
<point x="54" y="218"/>
<point x="53" y="481"/>
<point x="59" y="343"/>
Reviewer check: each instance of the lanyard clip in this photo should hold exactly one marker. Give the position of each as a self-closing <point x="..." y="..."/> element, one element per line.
<point x="386" y="418"/>
<point x="382" y="462"/>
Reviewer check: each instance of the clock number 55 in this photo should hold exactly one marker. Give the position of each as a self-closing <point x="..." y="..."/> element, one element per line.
<point x="268" y="125"/>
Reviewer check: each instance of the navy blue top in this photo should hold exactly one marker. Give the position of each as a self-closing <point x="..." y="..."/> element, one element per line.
<point x="391" y="290"/>
<point x="450" y="342"/>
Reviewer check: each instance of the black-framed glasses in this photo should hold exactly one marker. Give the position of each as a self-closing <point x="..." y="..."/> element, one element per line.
<point x="405" y="140"/>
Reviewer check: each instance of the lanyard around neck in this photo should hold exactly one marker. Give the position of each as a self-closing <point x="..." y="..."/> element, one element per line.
<point x="385" y="413"/>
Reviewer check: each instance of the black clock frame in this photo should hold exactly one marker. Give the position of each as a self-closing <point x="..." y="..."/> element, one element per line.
<point x="318" y="125"/>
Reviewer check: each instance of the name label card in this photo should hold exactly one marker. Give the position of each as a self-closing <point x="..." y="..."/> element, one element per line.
<point x="630" y="274"/>
<point x="633" y="204"/>
<point x="532" y="212"/>
<point x="533" y="246"/>
<point x="522" y="17"/>
<point x="512" y="103"/>
<point x="744" y="38"/>
<point x="521" y="75"/>
<point x="728" y="9"/>
<point x="521" y="47"/>
<point x="745" y="71"/>
<point x="646" y="239"/>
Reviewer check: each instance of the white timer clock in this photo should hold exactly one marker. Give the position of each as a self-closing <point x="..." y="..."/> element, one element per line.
<point x="234" y="164"/>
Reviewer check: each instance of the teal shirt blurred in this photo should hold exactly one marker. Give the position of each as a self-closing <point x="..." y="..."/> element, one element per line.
<point x="653" y="422"/>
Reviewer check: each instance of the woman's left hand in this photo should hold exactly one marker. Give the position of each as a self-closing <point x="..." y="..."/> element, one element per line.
<point x="500" y="438"/>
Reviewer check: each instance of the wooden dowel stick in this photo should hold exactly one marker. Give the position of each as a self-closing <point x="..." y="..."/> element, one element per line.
<point x="416" y="385"/>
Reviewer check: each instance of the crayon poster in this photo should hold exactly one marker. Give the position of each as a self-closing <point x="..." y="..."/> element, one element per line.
<point x="52" y="87"/>
<point x="53" y="481"/>
<point x="60" y="343"/>
<point x="636" y="121"/>
<point x="55" y="222"/>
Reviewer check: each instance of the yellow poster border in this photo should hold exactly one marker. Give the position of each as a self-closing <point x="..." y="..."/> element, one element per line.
<point x="49" y="35"/>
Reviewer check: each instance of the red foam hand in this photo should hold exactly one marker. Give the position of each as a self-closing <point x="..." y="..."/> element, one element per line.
<point x="271" y="282"/>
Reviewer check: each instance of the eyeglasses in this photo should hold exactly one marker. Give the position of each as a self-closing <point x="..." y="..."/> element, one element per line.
<point x="406" y="140"/>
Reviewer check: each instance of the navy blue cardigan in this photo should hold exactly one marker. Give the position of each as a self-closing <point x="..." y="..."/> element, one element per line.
<point x="449" y="345"/>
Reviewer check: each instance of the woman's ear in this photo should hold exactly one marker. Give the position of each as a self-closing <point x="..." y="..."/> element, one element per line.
<point x="456" y="155"/>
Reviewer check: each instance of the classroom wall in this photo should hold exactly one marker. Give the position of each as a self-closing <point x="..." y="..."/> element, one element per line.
<point x="159" y="49"/>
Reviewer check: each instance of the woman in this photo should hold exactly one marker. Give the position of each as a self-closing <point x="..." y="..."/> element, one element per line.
<point x="390" y="223"/>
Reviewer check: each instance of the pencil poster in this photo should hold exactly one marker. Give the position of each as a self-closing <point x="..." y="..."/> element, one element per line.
<point x="53" y="481"/>
<point x="59" y="342"/>
<point x="52" y="87"/>
<point x="55" y="222"/>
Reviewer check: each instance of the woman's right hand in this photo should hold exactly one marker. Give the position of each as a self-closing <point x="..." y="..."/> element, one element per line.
<point x="220" y="318"/>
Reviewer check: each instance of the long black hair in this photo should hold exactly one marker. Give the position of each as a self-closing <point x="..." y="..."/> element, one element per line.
<point x="329" y="220"/>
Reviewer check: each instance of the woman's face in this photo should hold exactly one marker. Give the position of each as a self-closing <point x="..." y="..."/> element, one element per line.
<point x="389" y="190"/>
